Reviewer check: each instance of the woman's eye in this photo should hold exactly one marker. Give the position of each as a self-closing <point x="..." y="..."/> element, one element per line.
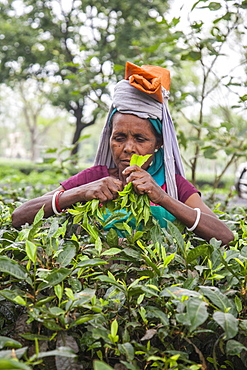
<point x="140" y="139"/>
<point x="118" y="138"/>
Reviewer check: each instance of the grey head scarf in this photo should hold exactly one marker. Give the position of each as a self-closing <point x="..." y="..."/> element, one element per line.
<point x="128" y="99"/>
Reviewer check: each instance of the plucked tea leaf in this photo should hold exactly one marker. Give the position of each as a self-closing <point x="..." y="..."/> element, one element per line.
<point x="139" y="160"/>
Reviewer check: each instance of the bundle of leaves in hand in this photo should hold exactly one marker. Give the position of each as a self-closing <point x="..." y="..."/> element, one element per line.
<point x="136" y="206"/>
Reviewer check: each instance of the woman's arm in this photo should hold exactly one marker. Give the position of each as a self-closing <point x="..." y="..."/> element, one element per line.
<point x="104" y="189"/>
<point x="209" y="225"/>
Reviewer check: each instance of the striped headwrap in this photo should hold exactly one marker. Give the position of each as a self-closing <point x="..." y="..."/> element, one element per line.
<point x="144" y="92"/>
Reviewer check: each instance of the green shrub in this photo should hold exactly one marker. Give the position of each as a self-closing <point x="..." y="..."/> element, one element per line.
<point x="74" y="296"/>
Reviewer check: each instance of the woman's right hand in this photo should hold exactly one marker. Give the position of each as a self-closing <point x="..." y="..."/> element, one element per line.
<point x="104" y="189"/>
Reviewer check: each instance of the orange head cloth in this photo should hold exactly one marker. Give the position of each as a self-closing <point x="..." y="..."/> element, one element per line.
<point x="148" y="79"/>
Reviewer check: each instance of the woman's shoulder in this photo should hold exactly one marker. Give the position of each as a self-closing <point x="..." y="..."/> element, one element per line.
<point x="185" y="188"/>
<point x="85" y="176"/>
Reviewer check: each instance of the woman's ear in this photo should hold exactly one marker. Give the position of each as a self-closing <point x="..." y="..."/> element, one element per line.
<point x="157" y="147"/>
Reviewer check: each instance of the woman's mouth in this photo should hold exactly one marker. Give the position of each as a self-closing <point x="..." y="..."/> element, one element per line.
<point x="125" y="162"/>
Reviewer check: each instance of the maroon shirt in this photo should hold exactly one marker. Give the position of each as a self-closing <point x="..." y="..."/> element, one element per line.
<point x="185" y="188"/>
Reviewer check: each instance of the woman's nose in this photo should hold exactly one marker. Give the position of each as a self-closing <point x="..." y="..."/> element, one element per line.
<point x="129" y="146"/>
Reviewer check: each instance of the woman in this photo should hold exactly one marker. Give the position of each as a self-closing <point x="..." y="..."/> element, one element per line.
<point x="138" y="123"/>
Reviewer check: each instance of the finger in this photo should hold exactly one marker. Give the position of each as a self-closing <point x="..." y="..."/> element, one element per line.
<point x="138" y="177"/>
<point x="131" y="169"/>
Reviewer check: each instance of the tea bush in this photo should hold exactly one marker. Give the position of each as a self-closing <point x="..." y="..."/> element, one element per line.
<point x="74" y="296"/>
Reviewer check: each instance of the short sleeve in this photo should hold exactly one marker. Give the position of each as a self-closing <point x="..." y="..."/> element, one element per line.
<point x="185" y="188"/>
<point x="84" y="177"/>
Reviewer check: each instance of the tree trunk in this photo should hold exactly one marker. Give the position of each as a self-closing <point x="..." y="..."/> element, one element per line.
<point x="79" y="127"/>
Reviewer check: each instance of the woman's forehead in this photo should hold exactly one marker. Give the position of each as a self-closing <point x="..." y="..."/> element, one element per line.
<point x="124" y="120"/>
<point x="129" y="122"/>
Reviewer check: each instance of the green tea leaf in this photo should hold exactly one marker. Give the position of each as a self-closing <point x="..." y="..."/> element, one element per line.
<point x="13" y="296"/>
<point x="127" y="350"/>
<point x="234" y="348"/>
<point x="139" y="160"/>
<point x="91" y="262"/>
<point x="13" y="364"/>
<point x="13" y="268"/>
<point x="112" y="238"/>
<point x="81" y="320"/>
<point x="219" y="299"/>
<point x="8" y="342"/>
<point x="100" y="365"/>
<point x="65" y="257"/>
<point x="111" y="252"/>
<point x="228" y="323"/>
<point x="31" y="250"/>
<point x="155" y="312"/>
<point x="200" y="251"/>
<point x="197" y="312"/>
<point x="54" y="278"/>
<point x="114" y="328"/>
<point x="39" y="216"/>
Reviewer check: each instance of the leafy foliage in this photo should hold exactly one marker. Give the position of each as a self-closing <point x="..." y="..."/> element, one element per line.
<point x="154" y="299"/>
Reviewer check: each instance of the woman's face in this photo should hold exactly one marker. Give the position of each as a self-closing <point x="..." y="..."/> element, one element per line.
<point x="131" y="135"/>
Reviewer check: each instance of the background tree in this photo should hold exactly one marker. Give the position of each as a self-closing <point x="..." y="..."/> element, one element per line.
<point x="209" y="82"/>
<point x="84" y="48"/>
<point x="81" y="48"/>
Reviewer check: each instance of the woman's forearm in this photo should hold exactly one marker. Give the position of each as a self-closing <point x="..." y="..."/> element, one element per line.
<point x="27" y="211"/>
<point x="209" y="226"/>
<point x="104" y="189"/>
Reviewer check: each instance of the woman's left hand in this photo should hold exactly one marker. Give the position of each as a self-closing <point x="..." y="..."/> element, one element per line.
<point x="143" y="183"/>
